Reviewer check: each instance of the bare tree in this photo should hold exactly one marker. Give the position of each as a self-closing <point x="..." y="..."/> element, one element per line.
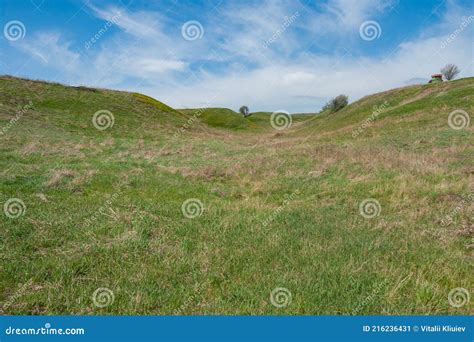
<point x="450" y="71"/>
<point x="244" y="110"/>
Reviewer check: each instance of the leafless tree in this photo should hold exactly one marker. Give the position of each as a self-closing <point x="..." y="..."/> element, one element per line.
<point x="450" y="71"/>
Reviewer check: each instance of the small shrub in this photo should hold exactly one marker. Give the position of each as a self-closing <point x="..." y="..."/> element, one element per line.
<point x="244" y="110"/>
<point x="336" y="103"/>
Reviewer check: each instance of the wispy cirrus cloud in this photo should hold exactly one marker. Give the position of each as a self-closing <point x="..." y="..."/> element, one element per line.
<point x="141" y="24"/>
<point x="49" y="49"/>
<point x="343" y="15"/>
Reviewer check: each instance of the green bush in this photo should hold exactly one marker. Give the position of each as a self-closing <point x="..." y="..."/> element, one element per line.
<point x="336" y="103"/>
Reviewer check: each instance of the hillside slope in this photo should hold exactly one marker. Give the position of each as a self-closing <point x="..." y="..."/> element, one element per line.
<point x="416" y="108"/>
<point x="220" y="118"/>
<point x="177" y="216"/>
<point x="60" y="108"/>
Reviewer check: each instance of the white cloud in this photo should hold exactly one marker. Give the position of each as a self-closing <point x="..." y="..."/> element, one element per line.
<point x="284" y="75"/>
<point x="48" y="48"/>
<point x="349" y="14"/>
<point x="151" y="65"/>
<point x="291" y="86"/>
<point x="305" y="82"/>
<point x="140" y="24"/>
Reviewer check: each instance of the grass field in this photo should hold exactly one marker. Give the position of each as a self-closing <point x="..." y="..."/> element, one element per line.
<point x="204" y="212"/>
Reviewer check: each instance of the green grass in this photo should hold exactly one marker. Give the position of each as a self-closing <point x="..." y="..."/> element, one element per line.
<point x="220" y="118"/>
<point x="281" y="208"/>
<point x="230" y="120"/>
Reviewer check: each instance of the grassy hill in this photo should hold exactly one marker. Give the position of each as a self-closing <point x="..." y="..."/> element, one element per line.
<point x="106" y="206"/>
<point x="220" y="118"/>
<point x="415" y="109"/>
<point x="229" y="119"/>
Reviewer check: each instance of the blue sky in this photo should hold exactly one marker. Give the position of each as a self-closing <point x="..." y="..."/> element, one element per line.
<point x="269" y="55"/>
